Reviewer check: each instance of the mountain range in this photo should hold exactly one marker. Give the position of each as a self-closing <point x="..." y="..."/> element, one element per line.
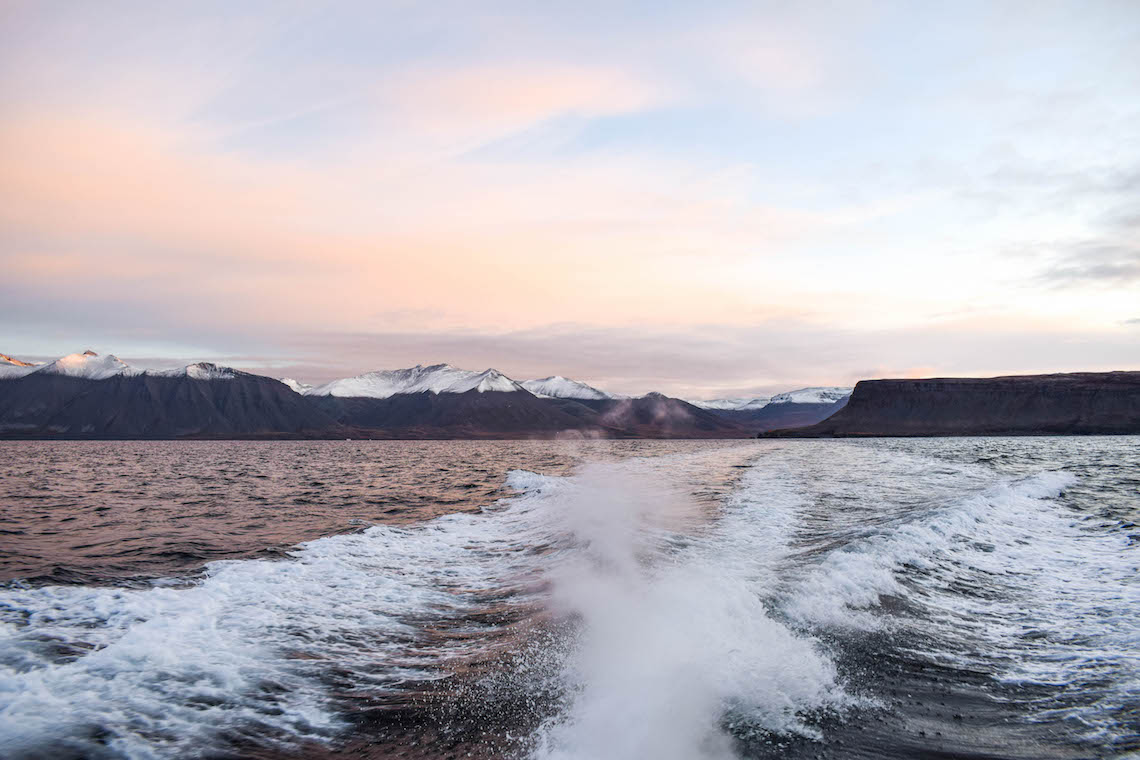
<point x="87" y="395"/>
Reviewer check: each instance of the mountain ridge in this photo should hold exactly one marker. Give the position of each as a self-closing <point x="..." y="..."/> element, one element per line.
<point x="86" y="395"/>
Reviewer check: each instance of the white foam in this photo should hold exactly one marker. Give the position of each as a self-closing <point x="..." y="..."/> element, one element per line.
<point x="1009" y="583"/>
<point x="673" y="643"/>
<point x="848" y="581"/>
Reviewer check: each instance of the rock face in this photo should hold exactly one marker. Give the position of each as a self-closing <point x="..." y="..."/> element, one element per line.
<point x="1078" y="403"/>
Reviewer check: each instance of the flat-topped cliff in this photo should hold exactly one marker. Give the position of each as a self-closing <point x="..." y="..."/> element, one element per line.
<point x="1076" y="403"/>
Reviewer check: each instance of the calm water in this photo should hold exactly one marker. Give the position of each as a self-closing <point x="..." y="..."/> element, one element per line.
<point x="708" y="600"/>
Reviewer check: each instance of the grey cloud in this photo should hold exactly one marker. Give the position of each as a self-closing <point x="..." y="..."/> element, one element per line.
<point x="1098" y="262"/>
<point x="1110" y="255"/>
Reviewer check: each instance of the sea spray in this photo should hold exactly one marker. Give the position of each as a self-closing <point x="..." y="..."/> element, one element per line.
<point x="674" y="643"/>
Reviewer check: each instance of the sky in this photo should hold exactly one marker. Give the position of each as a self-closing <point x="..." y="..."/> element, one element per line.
<point x="703" y="199"/>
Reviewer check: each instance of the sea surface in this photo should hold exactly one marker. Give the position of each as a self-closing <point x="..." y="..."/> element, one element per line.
<point x="675" y="600"/>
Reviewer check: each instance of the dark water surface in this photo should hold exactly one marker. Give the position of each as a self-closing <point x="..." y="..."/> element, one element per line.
<point x="927" y="598"/>
<point x="79" y="511"/>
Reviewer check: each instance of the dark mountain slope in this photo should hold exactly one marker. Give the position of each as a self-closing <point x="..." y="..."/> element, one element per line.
<point x="659" y="416"/>
<point x="471" y="414"/>
<point x="780" y="415"/>
<point x="156" y="406"/>
<point x="1077" y="403"/>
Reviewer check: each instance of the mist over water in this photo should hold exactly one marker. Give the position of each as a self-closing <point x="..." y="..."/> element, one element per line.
<point x="599" y="600"/>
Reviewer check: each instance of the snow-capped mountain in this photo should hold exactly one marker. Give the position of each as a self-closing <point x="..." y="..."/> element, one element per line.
<point x="89" y="395"/>
<point x="92" y="366"/>
<point x="805" y="406"/>
<point x="557" y="386"/>
<point x="89" y="366"/>
<point x="732" y="404"/>
<point x="438" y="378"/>
<point x="801" y="396"/>
<point x="812" y="396"/>
<point x="13" y="367"/>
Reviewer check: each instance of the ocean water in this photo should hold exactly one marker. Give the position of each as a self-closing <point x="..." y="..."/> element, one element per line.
<point x="571" y="601"/>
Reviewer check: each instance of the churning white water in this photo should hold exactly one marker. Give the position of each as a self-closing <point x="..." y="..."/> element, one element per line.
<point x="675" y="640"/>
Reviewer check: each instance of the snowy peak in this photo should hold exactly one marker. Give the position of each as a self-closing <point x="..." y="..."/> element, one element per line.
<point x="89" y="365"/>
<point x="493" y="380"/>
<point x="733" y="404"/>
<point x="209" y="371"/>
<point x="812" y="396"/>
<point x="437" y="378"/>
<point x="11" y="367"/>
<point x="5" y="359"/>
<point x="197" y="371"/>
<point x="557" y="386"/>
<point x="92" y="366"/>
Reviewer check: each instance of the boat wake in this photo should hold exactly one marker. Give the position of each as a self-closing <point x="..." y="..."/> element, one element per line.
<point x="705" y="605"/>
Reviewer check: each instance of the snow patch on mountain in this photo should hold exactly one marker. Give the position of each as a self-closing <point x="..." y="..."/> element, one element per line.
<point x="438" y="378"/>
<point x="296" y="385"/>
<point x="812" y="396"/>
<point x="196" y="371"/>
<point x="557" y="386"/>
<point x="732" y="404"/>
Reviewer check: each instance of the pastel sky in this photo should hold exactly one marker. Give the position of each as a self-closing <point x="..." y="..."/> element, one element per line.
<point x="704" y="199"/>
